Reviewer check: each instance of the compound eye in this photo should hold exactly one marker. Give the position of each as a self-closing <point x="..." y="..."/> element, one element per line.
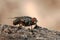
<point x="34" y="20"/>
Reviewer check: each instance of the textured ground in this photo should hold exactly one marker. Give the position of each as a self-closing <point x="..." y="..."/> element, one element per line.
<point x="8" y="32"/>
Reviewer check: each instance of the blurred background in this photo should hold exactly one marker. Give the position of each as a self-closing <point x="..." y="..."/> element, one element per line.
<point x="46" y="11"/>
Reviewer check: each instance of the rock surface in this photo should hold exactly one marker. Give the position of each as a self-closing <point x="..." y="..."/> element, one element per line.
<point x="8" y="32"/>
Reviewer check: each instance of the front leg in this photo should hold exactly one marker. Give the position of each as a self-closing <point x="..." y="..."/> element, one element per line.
<point x="20" y="26"/>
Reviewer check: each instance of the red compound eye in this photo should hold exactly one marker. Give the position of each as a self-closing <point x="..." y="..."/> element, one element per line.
<point x="33" y="19"/>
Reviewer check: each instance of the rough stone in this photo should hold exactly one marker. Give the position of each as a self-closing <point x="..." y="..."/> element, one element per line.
<point x="38" y="33"/>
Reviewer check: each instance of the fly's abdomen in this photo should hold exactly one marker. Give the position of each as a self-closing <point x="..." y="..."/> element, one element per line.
<point x="15" y="22"/>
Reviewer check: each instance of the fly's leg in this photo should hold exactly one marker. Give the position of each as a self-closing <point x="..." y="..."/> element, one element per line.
<point x="31" y="27"/>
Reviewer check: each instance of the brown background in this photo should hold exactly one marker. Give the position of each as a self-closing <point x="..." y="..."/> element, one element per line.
<point x="46" y="11"/>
